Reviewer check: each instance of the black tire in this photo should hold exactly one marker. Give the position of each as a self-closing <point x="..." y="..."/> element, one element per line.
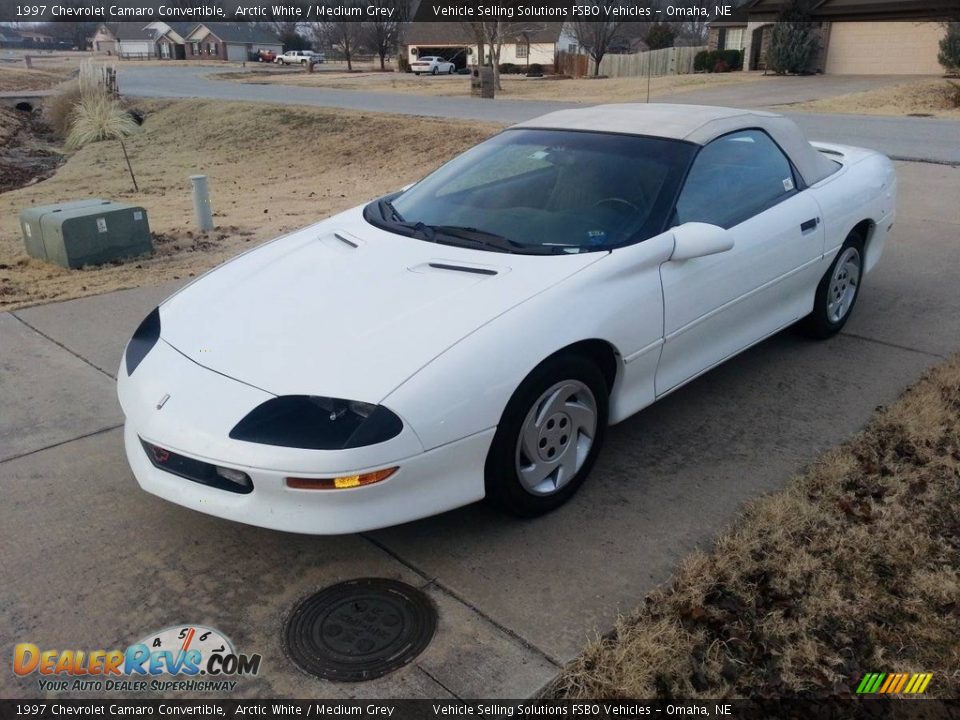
<point x="434" y="71"/>
<point x="503" y="486"/>
<point x="818" y="324"/>
<point x="450" y="71"/>
<point x="417" y="74"/>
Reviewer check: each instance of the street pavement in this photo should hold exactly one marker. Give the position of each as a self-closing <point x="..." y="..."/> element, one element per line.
<point x="88" y="560"/>
<point x="927" y="139"/>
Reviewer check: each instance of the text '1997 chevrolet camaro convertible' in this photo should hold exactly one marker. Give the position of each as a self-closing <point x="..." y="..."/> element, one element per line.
<point x="474" y="334"/>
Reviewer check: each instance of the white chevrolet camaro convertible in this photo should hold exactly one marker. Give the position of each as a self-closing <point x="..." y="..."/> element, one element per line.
<point x="474" y="334"/>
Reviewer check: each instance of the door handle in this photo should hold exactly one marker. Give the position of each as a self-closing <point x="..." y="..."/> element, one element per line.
<point x="809" y="224"/>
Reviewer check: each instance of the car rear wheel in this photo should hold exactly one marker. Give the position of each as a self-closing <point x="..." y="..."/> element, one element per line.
<point x="450" y="70"/>
<point x="838" y="290"/>
<point x="548" y="438"/>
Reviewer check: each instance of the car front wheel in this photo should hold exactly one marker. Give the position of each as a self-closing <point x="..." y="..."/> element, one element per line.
<point x="838" y="290"/>
<point x="434" y="71"/>
<point x="548" y="438"/>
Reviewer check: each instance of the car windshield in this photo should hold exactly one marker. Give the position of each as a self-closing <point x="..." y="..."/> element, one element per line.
<point x="543" y="191"/>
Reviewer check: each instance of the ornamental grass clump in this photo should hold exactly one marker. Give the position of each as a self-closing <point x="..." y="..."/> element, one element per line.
<point x="99" y="116"/>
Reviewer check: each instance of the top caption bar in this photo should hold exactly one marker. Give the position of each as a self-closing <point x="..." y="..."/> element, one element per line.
<point x="358" y="11"/>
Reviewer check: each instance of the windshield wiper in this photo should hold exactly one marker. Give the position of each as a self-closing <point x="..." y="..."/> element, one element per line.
<point x="389" y="212"/>
<point x="477" y="236"/>
<point x="461" y="236"/>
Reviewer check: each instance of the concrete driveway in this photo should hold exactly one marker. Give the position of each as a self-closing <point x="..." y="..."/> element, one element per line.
<point x="90" y="561"/>
<point x="927" y="139"/>
<point x="777" y="91"/>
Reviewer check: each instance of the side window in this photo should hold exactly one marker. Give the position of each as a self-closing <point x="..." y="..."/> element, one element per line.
<point x="734" y="178"/>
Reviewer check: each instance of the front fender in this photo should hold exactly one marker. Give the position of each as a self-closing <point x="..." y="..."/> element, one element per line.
<point x="616" y="299"/>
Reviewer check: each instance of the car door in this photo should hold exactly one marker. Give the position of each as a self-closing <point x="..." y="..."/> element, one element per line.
<point x="717" y="305"/>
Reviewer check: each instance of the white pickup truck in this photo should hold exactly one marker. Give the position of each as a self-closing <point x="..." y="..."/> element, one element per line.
<point x="302" y="57"/>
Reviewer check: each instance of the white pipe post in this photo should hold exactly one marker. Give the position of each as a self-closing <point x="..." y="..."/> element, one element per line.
<point x="201" y="202"/>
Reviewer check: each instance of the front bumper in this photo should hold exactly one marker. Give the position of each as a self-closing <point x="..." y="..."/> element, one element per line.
<point x="194" y="420"/>
<point x="427" y="484"/>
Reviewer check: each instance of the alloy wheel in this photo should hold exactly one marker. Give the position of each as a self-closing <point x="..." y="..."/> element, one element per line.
<point x="556" y="437"/>
<point x="844" y="284"/>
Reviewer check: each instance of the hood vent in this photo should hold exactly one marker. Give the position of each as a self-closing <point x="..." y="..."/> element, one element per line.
<point x="341" y="242"/>
<point x="345" y="241"/>
<point x="462" y="268"/>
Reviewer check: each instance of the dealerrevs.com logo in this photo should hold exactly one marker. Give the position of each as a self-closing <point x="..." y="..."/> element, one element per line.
<point x="183" y="657"/>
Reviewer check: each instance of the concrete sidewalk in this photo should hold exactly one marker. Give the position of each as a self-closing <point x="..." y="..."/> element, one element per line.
<point x="90" y="561"/>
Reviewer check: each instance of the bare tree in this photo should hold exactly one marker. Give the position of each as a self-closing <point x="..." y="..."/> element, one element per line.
<point x="287" y="33"/>
<point x="596" y="36"/>
<point x="491" y="36"/>
<point x="693" y="30"/>
<point x="279" y="27"/>
<point x="74" y="34"/>
<point x="479" y="34"/>
<point x="381" y="35"/>
<point x="344" y="36"/>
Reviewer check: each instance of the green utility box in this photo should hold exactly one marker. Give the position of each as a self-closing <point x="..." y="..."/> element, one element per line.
<point x="85" y="232"/>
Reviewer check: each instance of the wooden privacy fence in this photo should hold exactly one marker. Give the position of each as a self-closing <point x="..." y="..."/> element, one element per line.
<point x="669" y="61"/>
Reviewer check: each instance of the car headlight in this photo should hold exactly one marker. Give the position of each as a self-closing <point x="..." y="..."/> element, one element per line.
<point x="317" y="423"/>
<point x="143" y="340"/>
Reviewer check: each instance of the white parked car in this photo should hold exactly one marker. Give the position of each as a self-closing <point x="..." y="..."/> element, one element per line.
<point x="474" y="335"/>
<point x="299" y="57"/>
<point x="433" y="65"/>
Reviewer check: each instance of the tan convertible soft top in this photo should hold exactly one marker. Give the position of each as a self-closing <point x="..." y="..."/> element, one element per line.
<point x="694" y="123"/>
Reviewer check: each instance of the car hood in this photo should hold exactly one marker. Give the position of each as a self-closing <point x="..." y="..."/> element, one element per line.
<point x="343" y="309"/>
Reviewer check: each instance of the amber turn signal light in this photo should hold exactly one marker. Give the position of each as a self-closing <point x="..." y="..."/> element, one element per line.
<point x="342" y="482"/>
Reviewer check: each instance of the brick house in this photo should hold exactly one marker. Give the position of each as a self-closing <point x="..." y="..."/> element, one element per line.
<point x="226" y="41"/>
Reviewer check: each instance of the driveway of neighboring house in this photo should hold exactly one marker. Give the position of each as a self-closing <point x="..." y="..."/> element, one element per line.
<point x="902" y="138"/>
<point x="779" y="92"/>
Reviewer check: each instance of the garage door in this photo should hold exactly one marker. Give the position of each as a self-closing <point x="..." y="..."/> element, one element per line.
<point x="884" y="48"/>
<point x="136" y="48"/>
<point x="236" y="53"/>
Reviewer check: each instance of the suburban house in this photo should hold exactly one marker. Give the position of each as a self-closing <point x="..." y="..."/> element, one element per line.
<point x="35" y="38"/>
<point x="9" y="37"/>
<point x="104" y="40"/>
<point x="170" y="39"/>
<point x="857" y="37"/>
<point x="184" y="40"/>
<point x="27" y="38"/>
<point x="526" y="44"/>
<point x="229" y="41"/>
<point x="136" y="40"/>
<point x="130" y="40"/>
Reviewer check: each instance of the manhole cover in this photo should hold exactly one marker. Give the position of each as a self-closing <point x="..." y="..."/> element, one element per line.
<point x="360" y="629"/>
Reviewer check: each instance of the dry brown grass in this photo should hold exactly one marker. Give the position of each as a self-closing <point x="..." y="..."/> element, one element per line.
<point x="271" y="170"/>
<point x="48" y="69"/>
<point x="514" y="87"/>
<point x="59" y="108"/>
<point x="15" y="78"/>
<point x="51" y="68"/>
<point x="917" y="97"/>
<point x="853" y="568"/>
